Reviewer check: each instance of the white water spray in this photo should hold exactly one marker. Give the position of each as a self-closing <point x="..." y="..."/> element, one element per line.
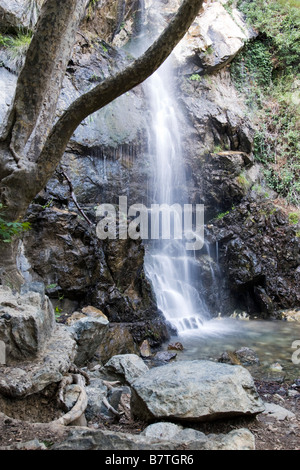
<point x="170" y="268"/>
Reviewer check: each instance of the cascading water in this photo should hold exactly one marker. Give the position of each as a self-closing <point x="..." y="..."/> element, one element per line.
<point x="169" y="267"/>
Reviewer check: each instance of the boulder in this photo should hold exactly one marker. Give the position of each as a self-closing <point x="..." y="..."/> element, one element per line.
<point x="19" y="14"/>
<point x="243" y="356"/>
<point x="239" y="439"/>
<point x="87" y="439"/>
<point x="118" y="340"/>
<point x="96" y="391"/>
<point x="88" y="333"/>
<point x="48" y="367"/>
<point x="207" y="391"/>
<point x="26" y="322"/>
<point x="277" y="412"/>
<point x="129" y="366"/>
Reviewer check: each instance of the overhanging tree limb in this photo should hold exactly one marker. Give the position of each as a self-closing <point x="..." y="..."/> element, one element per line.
<point x="114" y="87"/>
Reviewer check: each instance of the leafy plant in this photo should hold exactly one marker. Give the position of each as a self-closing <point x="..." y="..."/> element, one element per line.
<point x="10" y="229"/>
<point x="267" y="74"/>
<point x="195" y="77"/>
<point x="222" y="214"/>
<point x="293" y="218"/>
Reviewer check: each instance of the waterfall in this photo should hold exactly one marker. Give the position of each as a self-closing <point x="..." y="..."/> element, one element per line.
<point x="172" y="271"/>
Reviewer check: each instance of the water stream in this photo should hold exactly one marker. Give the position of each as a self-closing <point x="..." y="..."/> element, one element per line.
<point x="174" y="272"/>
<point x="168" y="265"/>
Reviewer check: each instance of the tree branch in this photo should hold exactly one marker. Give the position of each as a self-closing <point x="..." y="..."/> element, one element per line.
<point x="112" y="88"/>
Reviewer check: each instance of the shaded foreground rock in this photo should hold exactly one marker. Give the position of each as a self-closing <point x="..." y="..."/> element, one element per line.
<point x="26" y="322"/>
<point x="207" y="391"/>
<point x="49" y="366"/>
<point x="84" y="439"/>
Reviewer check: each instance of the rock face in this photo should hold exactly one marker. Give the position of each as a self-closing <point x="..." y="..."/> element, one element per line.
<point x="260" y="252"/>
<point x="214" y="39"/>
<point x="207" y="391"/>
<point x="26" y="322"/>
<point x="16" y="14"/>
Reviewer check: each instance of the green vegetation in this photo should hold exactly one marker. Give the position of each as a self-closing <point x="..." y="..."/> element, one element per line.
<point x="195" y="77"/>
<point x="293" y="218"/>
<point x="16" y="43"/>
<point x="10" y="229"/>
<point x="15" y="48"/>
<point x="222" y="214"/>
<point x="267" y="73"/>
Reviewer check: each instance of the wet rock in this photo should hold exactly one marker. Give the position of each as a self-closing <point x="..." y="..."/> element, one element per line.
<point x="208" y="391"/>
<point x="260" y="257"/>
<point x="88" y="333"/>
<point x="26" y="322"/>
<point x="243" y="356"/>
<point x="129" y="366"/>
<point x="175" y="346"/>
<point x="117" y="340"/>
<point x="164" y="356"/>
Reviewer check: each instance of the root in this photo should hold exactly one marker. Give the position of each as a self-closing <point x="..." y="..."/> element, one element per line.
<point x="80" y="406"/>
<point x="111" y="408"/>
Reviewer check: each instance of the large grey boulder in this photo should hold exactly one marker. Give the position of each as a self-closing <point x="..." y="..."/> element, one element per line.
<point x="49" y="366"/>
<point x="207" y="391"/>
<point x="26" y="322"/>
<point x="129" y="366"/>
<point x="239" y="439"/>
<point x="88" y="333"/>
<point x="87" y="439"/>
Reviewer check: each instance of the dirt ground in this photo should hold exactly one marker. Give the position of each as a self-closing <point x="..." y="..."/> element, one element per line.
<point x="270" y="434"/>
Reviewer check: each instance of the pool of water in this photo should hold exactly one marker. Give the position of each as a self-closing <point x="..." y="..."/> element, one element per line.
<point x="271" y="340"/>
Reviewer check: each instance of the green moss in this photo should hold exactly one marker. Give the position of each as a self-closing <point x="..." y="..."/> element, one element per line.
<point x="195" y="77"/>
<point x="293" y="218"/>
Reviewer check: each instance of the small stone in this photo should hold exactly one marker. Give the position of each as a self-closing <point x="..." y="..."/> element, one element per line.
<point x="145" y="349"/>
<point x="276" y="367"/>
<point x="93" y="312"/>
<point x="165" y="356"/>
<point x="74" y="317"/>
<point x="176" y="346"/>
